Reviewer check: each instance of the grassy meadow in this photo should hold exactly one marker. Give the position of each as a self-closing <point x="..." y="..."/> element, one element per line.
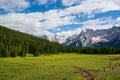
<point x="61" y="67"/>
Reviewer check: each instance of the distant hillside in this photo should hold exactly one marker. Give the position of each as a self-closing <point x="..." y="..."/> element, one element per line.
<point x="14" y="43"/>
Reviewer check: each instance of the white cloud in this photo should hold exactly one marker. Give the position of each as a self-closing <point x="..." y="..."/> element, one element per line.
<point x="70" y="2"/>
<point x="22" y="22"/>
<point x="30" y="22"/>
<point x="118" y="21"/>
<point x="14" y="5"/>
<point x="90" y="7"/>
<point x="54" y="19"/>
<point x="102" y="23"/>
<point x="66" y="34"/>
<point x="43" y="2"/>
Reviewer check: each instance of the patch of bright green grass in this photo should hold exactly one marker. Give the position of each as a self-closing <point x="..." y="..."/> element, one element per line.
<point x="52" y="67"/>
<point x="109" y="75"/>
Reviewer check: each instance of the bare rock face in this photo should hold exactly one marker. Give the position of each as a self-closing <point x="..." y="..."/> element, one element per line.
<point x="91" y="38"/>
<point x="55" y="38"/>
<point x="59" y="38"/>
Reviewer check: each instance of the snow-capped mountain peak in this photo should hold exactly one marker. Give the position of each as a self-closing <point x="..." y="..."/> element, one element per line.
<point x="88" y="37"/>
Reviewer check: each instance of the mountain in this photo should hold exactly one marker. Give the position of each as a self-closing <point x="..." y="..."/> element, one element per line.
<point x="14" y="43"/>
<point x="59" y="38"/>
<point x="95" y="38"/>
<point x="55" y="38"/>
<point x="89" y="38"/>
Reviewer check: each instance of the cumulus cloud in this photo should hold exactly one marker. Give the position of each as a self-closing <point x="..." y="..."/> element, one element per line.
<point x="38" y="22"/>
<point x="92" y="7"/>
<point x="22" y="22"/>
<point x="30" y="22"/>
<point x="70" y="2"/>
<point x="55" y="19"/>
<point x="69" y="33"/>
<point x="43" y="2"/>
<point x="14" y="5"/>
<point x="102" y="23"/>
<point x="118" y="21"/>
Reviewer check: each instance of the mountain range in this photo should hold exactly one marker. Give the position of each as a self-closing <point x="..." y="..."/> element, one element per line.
<point x="90" y="38"/>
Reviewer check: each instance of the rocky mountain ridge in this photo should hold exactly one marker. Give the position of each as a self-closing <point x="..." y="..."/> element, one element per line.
<point x="90" y="38"/>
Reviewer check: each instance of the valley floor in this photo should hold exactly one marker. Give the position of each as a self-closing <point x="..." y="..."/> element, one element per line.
<point x="61" y="67"/>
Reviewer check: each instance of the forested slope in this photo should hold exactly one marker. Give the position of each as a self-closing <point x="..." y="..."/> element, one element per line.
<point x="14" y="43"/>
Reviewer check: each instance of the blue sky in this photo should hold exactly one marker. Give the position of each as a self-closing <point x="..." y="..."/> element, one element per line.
<point x="65" y="17"/>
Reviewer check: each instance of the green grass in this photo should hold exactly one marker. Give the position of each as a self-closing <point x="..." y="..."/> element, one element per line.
<point x="56" y="67"/>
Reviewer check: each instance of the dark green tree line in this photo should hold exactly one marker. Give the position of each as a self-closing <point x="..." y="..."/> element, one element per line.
<point x="14" y="43"/>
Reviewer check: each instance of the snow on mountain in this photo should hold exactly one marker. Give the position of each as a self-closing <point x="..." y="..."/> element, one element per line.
<point x="87" y="38"/>
<point x="55" y="38"/>
<point x="59" y="38"/>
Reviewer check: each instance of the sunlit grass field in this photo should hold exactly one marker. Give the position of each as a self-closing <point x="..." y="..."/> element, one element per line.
<point x="59" y="67"/>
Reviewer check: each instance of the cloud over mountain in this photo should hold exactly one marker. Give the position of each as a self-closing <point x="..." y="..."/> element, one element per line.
<point x="36" y="19"/>
<point x="14" y="5"/>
